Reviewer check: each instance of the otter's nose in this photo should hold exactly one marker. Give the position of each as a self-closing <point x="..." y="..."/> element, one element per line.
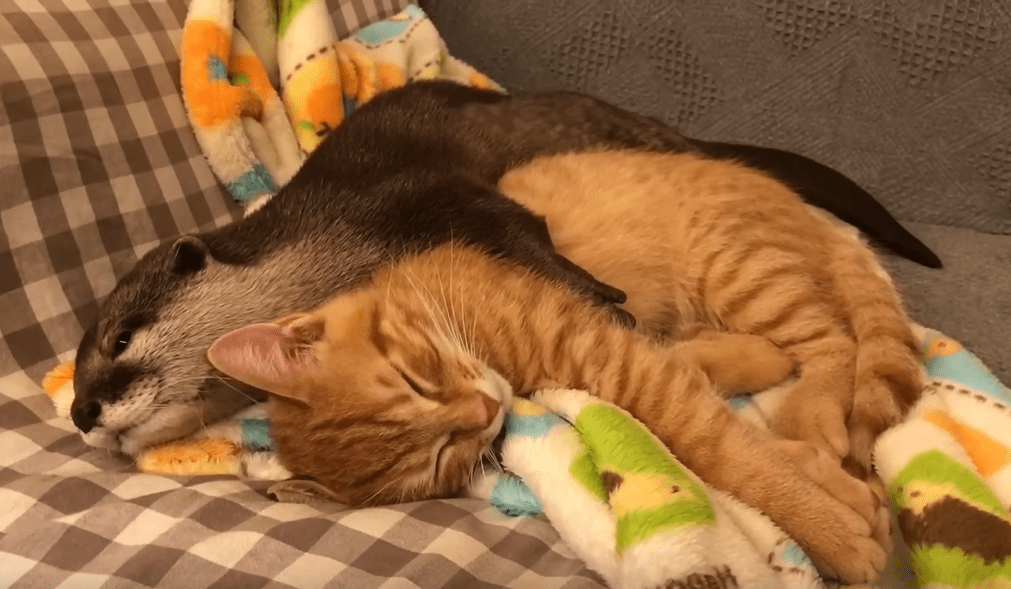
<point x="85" y="414"/>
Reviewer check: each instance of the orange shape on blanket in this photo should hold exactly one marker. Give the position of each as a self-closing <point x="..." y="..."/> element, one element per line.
<point x="190" y="457"/>
<point x="325" y="106"/>
<point x="57" y="377"/>
<point x="258" y="81"/>
<point x="987" y="454"/>
<point x="390" y="76"/>
<point x="479" y="80"/>
<point x="212" y="101"/>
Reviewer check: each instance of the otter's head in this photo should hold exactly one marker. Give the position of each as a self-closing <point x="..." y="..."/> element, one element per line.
<point x="141" y="374"/>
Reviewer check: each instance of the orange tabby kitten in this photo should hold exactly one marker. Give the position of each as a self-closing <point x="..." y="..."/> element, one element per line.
<point x="393" y="392"/>
<point x="712" y="243"/>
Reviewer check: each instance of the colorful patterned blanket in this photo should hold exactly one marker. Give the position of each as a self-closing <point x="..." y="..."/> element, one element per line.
<point x="254" y="138"/>
<point x="640" y="519"/>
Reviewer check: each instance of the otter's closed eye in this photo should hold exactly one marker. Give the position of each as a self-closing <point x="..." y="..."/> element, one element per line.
<point x="122" y="341"/>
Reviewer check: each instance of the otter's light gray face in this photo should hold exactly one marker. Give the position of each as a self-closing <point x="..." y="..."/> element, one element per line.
<point x="141" y="376"/>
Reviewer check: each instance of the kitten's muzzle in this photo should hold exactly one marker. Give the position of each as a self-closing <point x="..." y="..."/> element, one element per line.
<point x="487" y="408"/>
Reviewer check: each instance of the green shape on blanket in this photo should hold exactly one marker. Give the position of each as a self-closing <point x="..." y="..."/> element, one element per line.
<point x="287" y="9"/>
<point x="946" y="567"/>
<point x="959" y="534"/>
<point x="649" y="492"/>
<point x="932" y="474"/>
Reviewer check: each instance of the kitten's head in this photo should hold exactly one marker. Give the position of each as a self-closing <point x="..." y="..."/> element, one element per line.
<point x="375" y="401"/>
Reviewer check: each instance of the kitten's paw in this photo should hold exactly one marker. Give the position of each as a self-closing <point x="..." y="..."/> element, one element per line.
<point x="867" y="421"/>
<point x="843" y="527"/>
<point x="738" y="363"/>
<point x="851" y="561"/>
<point x="768" y="363"/>
<point x="819" y="421"/>
<point x="824" y="469"/>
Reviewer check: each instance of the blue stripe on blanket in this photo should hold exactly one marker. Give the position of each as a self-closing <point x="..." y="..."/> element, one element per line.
<point x="531" y="426"/>
<point x="513" y="497"/>
<point x="252" y="184"/>
<point x="256" y="434"/>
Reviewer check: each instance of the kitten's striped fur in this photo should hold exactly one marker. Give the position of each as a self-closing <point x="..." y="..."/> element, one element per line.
<point x="401" y="386"/>
<point x="407" y="376"/>
<point x="702" y="242"/>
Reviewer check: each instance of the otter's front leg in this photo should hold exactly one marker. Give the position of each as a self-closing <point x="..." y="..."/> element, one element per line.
<point x="464" y="210"/>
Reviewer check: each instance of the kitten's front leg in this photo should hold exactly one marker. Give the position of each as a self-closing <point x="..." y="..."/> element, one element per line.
<point x="830" y="514"/>
<point x="837" y="525"/>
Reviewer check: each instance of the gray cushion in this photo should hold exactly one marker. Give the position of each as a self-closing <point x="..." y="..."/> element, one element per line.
<point x="909" y="99"/>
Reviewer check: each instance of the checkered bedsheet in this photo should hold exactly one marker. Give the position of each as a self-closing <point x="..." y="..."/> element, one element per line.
<point x="98" y="164"/>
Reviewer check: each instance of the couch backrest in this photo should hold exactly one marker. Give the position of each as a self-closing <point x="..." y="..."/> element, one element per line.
<point x="911" y="99"/>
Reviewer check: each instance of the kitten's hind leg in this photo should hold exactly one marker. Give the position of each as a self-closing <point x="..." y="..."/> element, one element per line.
<point x="814" y="409"/>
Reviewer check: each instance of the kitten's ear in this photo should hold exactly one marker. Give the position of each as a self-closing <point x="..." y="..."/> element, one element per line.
<point x="274" y="357"/>
<point x="298" y="490"/>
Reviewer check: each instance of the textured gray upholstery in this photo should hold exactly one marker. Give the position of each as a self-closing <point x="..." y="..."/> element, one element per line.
<point x="909" y="98"/>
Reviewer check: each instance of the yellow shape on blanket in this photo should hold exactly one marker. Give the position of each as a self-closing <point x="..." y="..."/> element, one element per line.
<point x="646" y="490"/>
<point x="987" y="454"/>
<point x="312" y="97"/>
<point x="527" y="408"/>
<point x="191" y="457"/>
<point x="942" y="346"/>
<point x="358" y="73"/>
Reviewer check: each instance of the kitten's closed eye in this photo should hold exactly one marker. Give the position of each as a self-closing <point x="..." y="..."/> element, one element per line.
<point x="414" y="384"/>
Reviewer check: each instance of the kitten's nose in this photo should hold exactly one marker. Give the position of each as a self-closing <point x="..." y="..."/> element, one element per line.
<point x="85" y="413"/>
<point x="488" y="407"/>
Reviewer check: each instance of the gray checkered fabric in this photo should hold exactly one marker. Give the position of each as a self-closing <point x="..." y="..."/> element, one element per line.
<point x="97" y="165"/>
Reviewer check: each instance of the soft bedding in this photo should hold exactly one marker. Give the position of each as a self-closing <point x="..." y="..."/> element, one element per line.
<point x="98" y="163"/>
<point x="637" y="517"/>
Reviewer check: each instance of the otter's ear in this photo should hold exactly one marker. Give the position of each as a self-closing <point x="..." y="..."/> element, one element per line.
<point x="274" y="357"/>
<point x="188" y="255"/>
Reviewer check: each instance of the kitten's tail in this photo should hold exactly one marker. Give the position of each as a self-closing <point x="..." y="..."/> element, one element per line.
<point x="889" y="374"/>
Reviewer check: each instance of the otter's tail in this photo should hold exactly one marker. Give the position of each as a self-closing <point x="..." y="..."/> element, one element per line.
<point x="823" y="187"/>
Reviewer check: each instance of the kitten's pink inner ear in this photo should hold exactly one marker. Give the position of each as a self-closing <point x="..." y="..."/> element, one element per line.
<point x="263" y="356"/>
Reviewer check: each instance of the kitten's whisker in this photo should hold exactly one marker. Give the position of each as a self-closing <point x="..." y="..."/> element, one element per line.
<point x="383" y="489"/>
<point x="229" y="384"/>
